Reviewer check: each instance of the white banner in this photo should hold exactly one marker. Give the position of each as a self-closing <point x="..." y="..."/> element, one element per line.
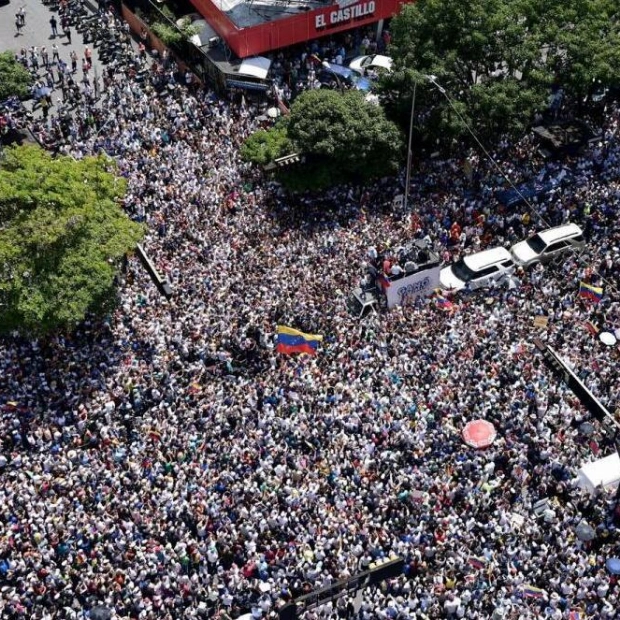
<point x="411" y="287"/>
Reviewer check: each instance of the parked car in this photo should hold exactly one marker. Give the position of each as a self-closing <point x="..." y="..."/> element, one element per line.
<point x="338" y="77"/>
<point x="548" y="244"/>
<point x="373" y="63"/>
<point x="478" y="270"/>
<point x="362" y="302"/>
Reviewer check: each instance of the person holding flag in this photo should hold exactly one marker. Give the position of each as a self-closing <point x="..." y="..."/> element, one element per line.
<point x="590" y="292"/>
<point x="291" y="341"/>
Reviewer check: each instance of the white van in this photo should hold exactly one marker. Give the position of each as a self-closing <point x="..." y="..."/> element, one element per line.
<point x="548" y="244"/>
<point x="478" y="270"/>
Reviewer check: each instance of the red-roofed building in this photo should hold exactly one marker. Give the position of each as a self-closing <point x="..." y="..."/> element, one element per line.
<point x="252" y="27"/>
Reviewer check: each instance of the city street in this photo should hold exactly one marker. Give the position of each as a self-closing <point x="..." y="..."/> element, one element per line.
<point x="37" y="32"/>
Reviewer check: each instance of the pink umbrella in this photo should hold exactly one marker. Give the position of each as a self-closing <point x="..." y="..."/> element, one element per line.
<point x="479" y="434"/>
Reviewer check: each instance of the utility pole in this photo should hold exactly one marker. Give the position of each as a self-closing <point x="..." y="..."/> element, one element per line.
<point x="409" y="152"/>
<point x="431" y="79"/>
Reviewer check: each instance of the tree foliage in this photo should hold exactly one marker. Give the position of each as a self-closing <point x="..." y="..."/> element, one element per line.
<point x="485" y="55"/>
<point x="498" y="59"/>
<point x="15" y="81"/>
<point x="264" y="146"/>
<point x="62" y="234"/>
<point x="168" y="34"/>
<point x="346" y="132"/>
<point x="582" y="39"/>
<point x="341" y="136"/>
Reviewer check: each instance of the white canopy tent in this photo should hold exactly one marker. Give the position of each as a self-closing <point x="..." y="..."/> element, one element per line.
<point x="604" y="473"/>
<point x="257" y="67"/>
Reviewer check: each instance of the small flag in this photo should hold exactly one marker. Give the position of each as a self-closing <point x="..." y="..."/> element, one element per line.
<point x="574" y="615"/>
<point x="293" y="341"/>
<point x="477" y="563"/>
<point x="383" y="282"/>
<point x="591" y="328"/>
<point x="593" y="293"/>
<point x="443" y="303"/>
<point x="533" y="592"/>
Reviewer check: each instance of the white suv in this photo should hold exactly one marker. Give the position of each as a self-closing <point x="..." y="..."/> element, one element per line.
<point x="548" y="244"/>
<point x="478" y="270"/>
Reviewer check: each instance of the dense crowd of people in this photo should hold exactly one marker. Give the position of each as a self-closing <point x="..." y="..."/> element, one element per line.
<point x="167" y="463"/>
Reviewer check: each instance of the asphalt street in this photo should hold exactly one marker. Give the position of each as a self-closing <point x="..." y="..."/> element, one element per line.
<point x="37" y="32"/>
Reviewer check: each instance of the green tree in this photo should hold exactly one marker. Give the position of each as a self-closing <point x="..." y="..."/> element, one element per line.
<point x="14" y="78"/>
<point x="343" y="137"/>
<point x="263" y="146"/>
<point x="62" y="235"/>
<point x="486" y="54"/>
<point x="582" y="43"/>
<point x="168" y="34"/>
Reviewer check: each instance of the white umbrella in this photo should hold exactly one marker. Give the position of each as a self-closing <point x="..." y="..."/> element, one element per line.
<point x="607" y="338"/>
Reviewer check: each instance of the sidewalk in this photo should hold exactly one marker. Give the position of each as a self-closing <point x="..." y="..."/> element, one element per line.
<point x="37" y="32"/>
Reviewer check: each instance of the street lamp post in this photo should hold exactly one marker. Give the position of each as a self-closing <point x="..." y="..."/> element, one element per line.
<point x="409" y="153"/>
<point x="431" y="79"/>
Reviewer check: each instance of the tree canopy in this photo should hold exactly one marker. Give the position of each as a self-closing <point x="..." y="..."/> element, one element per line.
<point x="498" y="60"/>
<point x="341" y="136"/>
<point x="62" y="234"/>
<point x="482" y="52"/>
<point x="263" y="146"/>
<point x="582" y="39"/>
<point x="15" y="80"/>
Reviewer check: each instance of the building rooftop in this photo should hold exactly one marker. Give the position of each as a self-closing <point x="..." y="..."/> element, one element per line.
<point x="247" y="13"/>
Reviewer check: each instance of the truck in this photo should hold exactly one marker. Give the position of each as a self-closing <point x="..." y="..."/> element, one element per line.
<point x="419" y="278"/>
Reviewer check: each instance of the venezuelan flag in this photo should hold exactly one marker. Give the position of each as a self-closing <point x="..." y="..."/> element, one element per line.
<point x="441" y="301"/>
<point x="444" y="303"/>
<point x="383" y="282"/>
<point x="593" y="293"/>
<point x="293" y="341"/>
<point x="477" y="563"/>
<point x="591" y="328"/>
<point x="532" y="592"/>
